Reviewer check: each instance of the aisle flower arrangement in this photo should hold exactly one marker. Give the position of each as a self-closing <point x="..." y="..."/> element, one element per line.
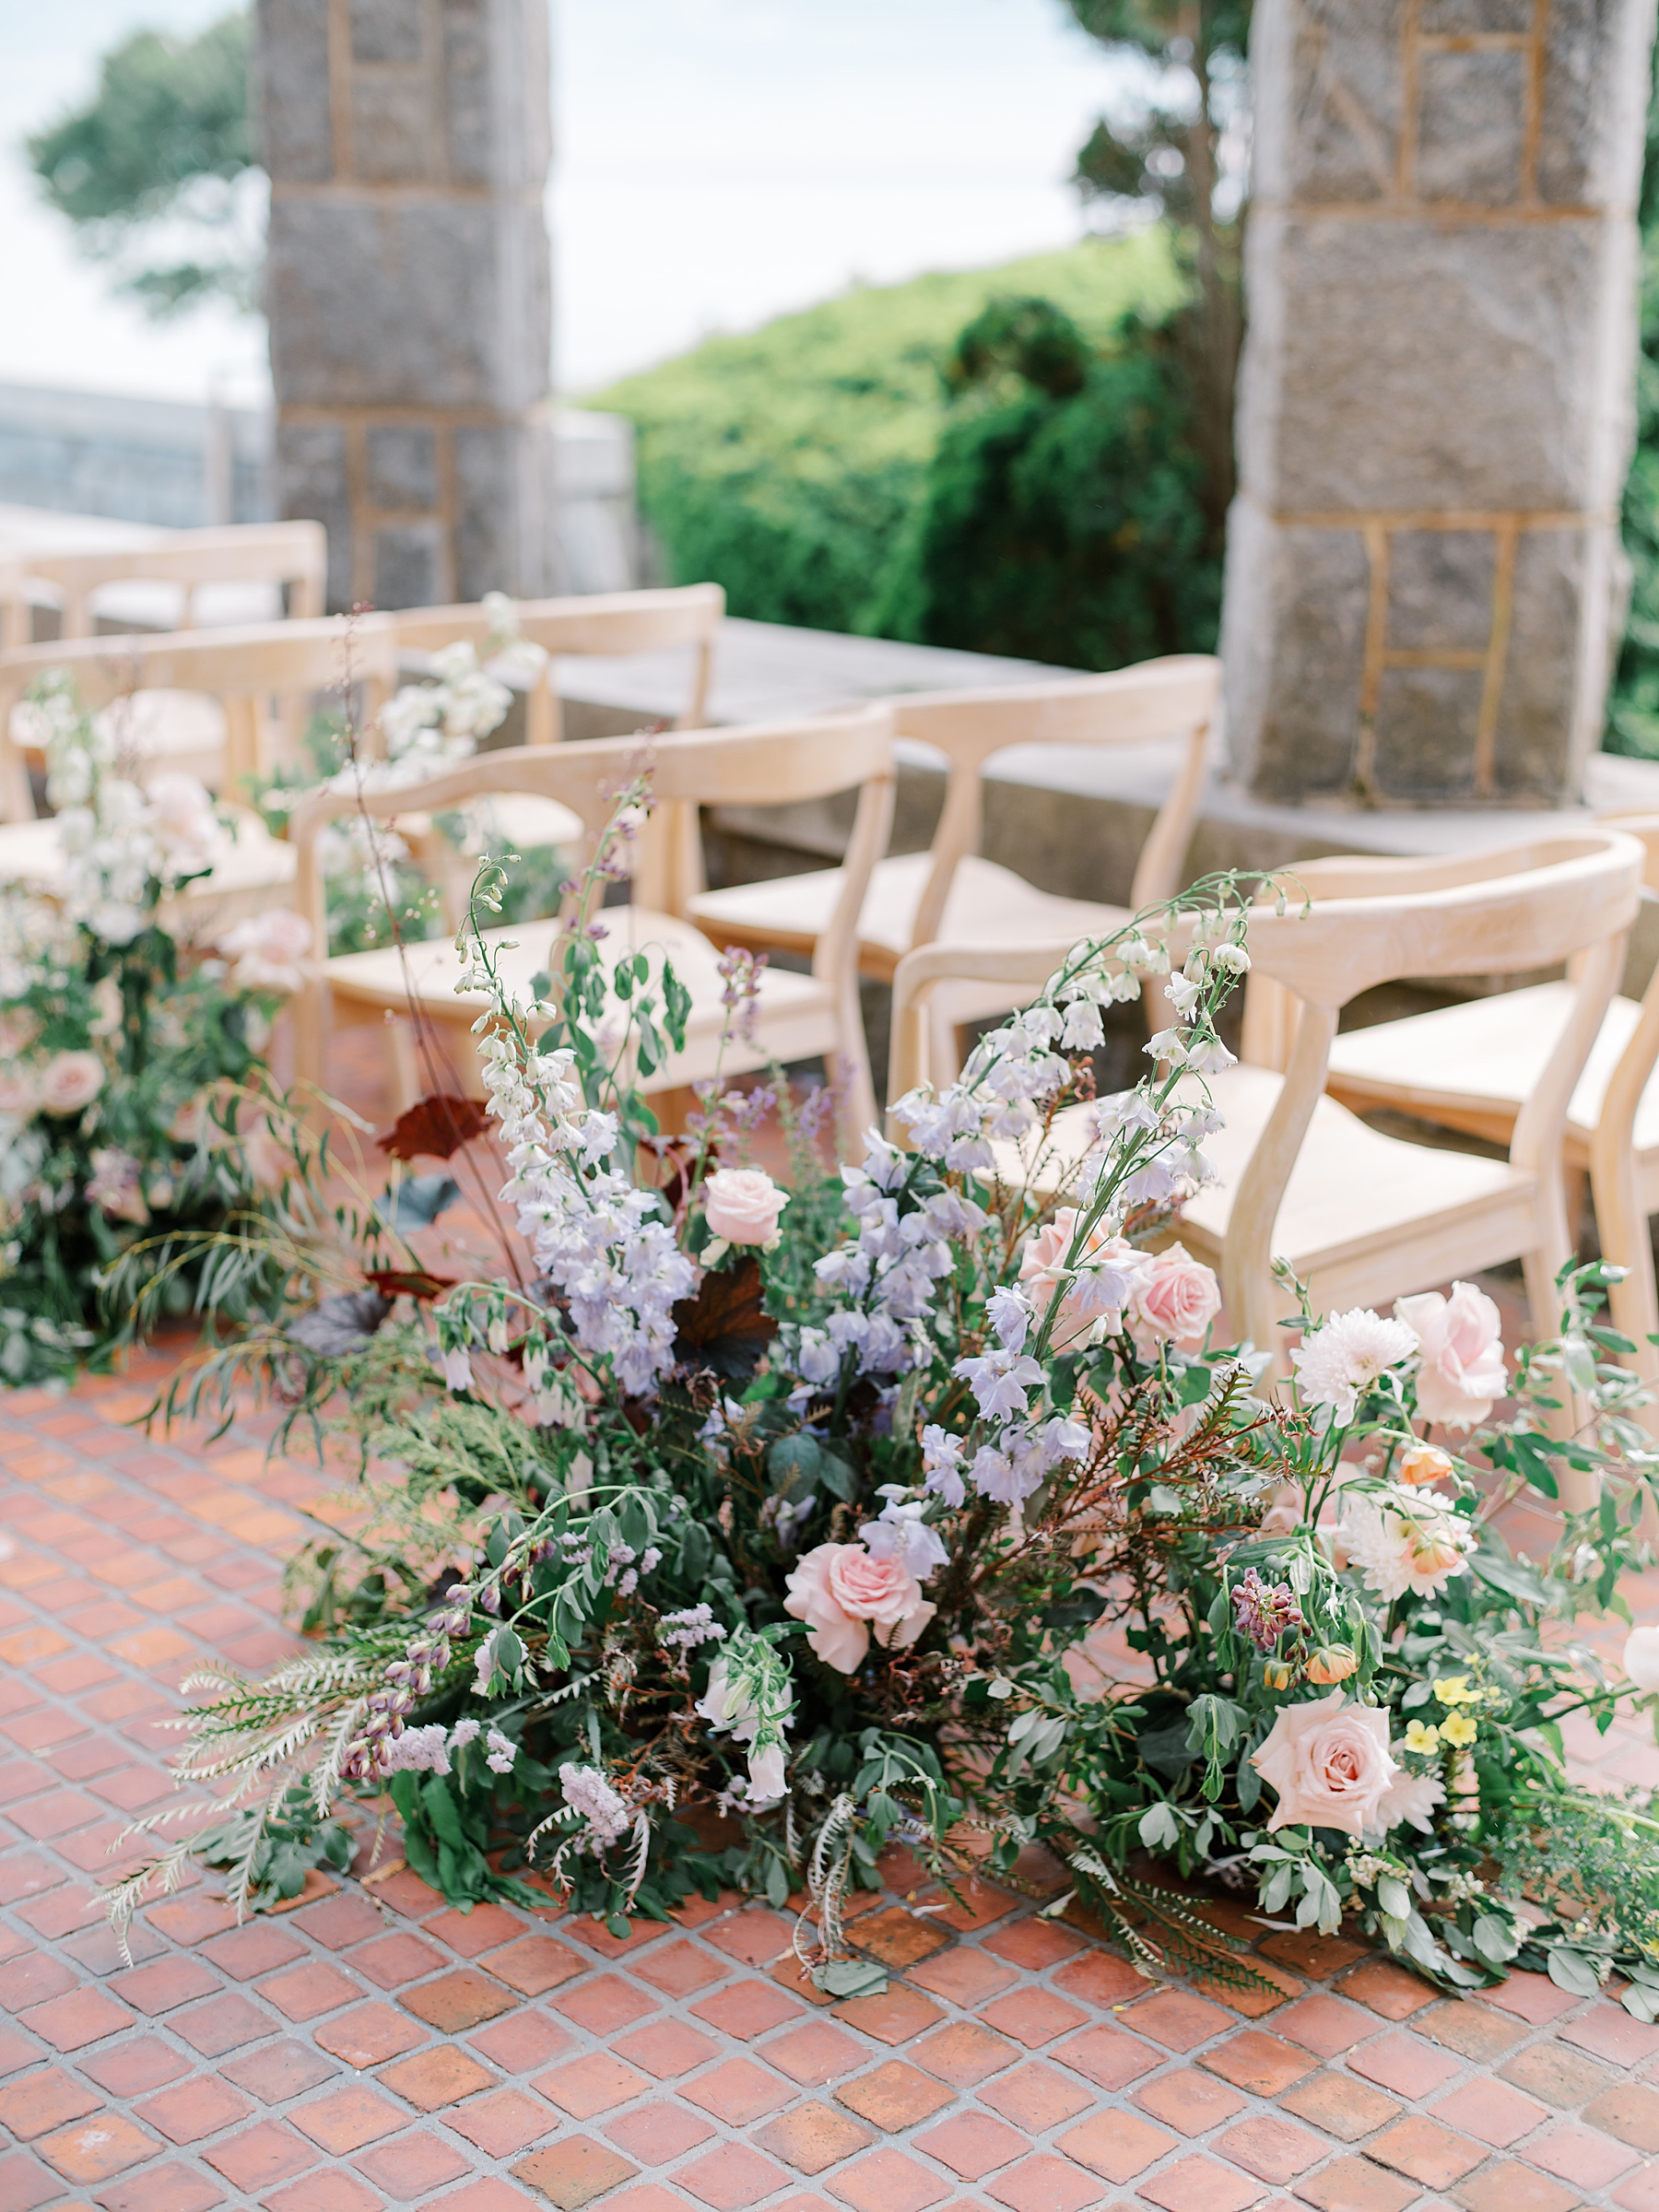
<point x="127" y="1122"/>
<point x="747" y="1529"/>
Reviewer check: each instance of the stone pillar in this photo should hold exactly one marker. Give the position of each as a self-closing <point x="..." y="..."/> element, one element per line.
<point x="408" y="289"/>
<point x="1424" y="578"/>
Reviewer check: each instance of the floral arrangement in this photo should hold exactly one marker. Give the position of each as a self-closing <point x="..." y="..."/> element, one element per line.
<point x="375" y="887"/>
<point x="129" y="1071"/>
<point x="743" y="1528"/>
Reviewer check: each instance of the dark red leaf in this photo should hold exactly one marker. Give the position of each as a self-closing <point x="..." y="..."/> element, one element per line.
<point x="410" y="1282"/>
<point x="725" y="1326"/>
<point x="435" y="1128"/>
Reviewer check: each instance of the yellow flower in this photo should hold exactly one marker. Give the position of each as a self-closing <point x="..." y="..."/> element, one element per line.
<point x="1459" y="1728"/>
<point x="1455" y="1690"/>
<point x="1420" y="1738"/>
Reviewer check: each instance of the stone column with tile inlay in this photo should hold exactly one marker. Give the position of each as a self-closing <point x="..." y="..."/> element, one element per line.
<point x="1425" y="581"/>
<point x="409" y="289"/>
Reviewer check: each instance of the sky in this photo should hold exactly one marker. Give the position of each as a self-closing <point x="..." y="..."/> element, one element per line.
<point x="717" y="163"/>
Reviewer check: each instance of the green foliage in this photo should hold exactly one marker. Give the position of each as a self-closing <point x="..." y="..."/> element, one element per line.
<point x="272" y="1851"/>
<point x="1633" y="706"/>
<point x="1063" y="518"/>
<point x="164" y="141"/>
<point x="784" y="464"/>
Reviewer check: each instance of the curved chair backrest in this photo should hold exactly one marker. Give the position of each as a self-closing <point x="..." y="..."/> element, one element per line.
<point x="1373" y="922"/>
<point x="1174" y="698"/>
<point x="289" y="662"/>
<point x="618" y="622"/>
<point x="295" y="554"/>
<point x="776" y="764"/>
<point x="1377" y="920"/>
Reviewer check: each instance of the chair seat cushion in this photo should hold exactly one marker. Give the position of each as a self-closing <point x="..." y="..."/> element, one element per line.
<point x="1356" y="1201"/>
<point x="1485" y="1057"/>
<point x="987" y="904"/>
<point x="795" y="1022"/>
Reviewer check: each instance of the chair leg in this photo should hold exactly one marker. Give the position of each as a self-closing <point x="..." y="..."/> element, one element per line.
<point x="1633" y="1304"/>
<point x="849" y="1069"/>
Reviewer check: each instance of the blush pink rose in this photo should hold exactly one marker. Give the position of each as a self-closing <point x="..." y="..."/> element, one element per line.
<point x="1175" y="1300"/>
<point x="19" y="1091"/>
<point x="268" y="950"/>
<point x="1462" y="1374"/>
<point x="840" y="1591"/>
<point x="1107" y="1272"/>
<point x="1330" y="1763"/>
<point x="71" y="1080"/>
<point x="743" y="1206"/>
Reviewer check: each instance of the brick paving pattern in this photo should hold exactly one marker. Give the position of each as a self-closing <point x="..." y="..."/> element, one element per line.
<point x="372" y="2048"/>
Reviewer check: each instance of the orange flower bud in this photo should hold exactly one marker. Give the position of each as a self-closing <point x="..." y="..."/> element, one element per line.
<point x="1421" y="1463"/>
<point x="1332" y="1663"/>
<point x="1277" y="1674"/>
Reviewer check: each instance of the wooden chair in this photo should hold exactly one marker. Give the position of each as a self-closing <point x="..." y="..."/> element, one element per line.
<point x="222" y="705"/>
<point x="290" y="554"/>
<point x="1472" y="1067"/>
<point x="612" y="623"/>
<point x="1366" y="1218"/>
<point x="950" y="893"/>
<point x="799" y="1016"/>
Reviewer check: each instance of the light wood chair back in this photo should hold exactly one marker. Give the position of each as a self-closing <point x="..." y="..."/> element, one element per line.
<point x="1178" y="696"/>
<point x="262" y="676"/>
<point x="1373" y="922"/>
<point x="780" y="764"/>
<point x="1621" y="1202"/>
<point x="295" y="554"/>
<point x="618" y="622"/>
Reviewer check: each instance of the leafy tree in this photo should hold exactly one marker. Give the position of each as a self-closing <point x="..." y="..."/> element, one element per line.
<point x="1633" y="707"/>
<point x="154" y="172"/>
<point x="1168" y="148"/>
<point x="1062" y="519"/>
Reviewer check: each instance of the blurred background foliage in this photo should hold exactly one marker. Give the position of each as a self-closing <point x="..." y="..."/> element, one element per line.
<point x="1032" y="460"/>
<point x="1633" y="706"/>
<point x="153" y="172"/>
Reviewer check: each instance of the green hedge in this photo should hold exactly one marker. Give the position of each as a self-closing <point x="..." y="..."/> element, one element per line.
<point x="792" y="465"/>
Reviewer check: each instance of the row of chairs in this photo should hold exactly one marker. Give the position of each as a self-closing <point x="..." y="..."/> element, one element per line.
<point x="1557" y="1071"/>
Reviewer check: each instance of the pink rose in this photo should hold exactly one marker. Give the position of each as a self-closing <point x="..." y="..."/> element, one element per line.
<point x="1462" y="1373"/>
<point x="70" y="1081"/>
<point x="20" y="1094"/>
<point x="181" y="816"/>
<point x="1329" y="1762"/>
<point x="268" y="949"/>
<point x="1175" y="1300"/>
<point x="1106" y="1274"/>
<point x="838" y="1589"/>
<point x="743" y="1206"/>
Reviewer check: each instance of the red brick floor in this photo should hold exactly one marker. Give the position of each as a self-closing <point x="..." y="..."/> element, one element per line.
<point x="373" y="2049"/>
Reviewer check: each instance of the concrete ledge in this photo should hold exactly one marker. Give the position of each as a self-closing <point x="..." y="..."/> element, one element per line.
<point x="1071" y="820"/>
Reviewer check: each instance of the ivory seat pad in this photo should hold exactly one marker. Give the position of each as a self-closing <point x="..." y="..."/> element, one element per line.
<point x="987" y="904"/>
<point x="254" y="865"/>
<point x="154" y="730"/>
<point x="796" y="1017"/>
<point x="1354" y="1195"/>
<point x="1485" y="1056"/>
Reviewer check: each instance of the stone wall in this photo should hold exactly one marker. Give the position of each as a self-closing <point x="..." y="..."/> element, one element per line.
<point x="1425" y="581"/>
<point x="408" y="289"/>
